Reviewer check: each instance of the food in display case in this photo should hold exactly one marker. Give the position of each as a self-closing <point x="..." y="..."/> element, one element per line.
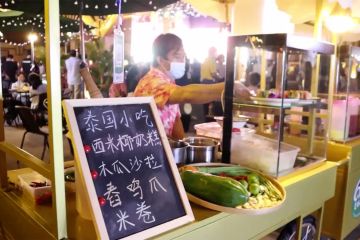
<point x="287" y="108"/>
<point x="345" y="122"/>
<point x="232" y="188"/>
<point x="242" y="152"/>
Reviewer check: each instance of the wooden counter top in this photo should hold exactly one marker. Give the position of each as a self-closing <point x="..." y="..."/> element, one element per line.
<point x="306" y="192"/>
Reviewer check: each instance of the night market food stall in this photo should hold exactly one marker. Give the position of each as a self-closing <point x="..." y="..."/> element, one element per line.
<point x="299" y="187"/>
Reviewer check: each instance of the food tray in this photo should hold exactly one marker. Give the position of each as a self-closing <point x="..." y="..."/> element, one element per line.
<point x="231" y="210"/>
<point x="276" y="102"/>
<point x="34" y="193"/>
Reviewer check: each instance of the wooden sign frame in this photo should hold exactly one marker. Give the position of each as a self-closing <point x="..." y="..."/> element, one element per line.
<point x="84" y="170"/>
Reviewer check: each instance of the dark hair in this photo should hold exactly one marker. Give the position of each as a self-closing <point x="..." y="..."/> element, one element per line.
<point x="254" y="79"/>
<point x="10" y="56"/>
<point x="73" y="53"/>
<point x="34" y="80"/>
<point x="20" y="73"/>
<point x="163" y="44"/>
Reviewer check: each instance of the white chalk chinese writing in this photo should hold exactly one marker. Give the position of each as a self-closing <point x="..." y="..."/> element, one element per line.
<point x="142" y="114"/>
<point x="109" y="119"/>
<point x="125" y="120"/>
<point x="122" y="216"/>
<point x="135" y="188"/>
<point x="154" y="184"/>
<point x="144" y="214"/>
<point x="98" y="146"/>
<point x="104" y="170"/>
<point x="110" y="144"/>
<point x="119" y="167"/>
<point x="91" y="122"/>
<point x="135" y="164"/>
<point x="151" y="162"/>
<point x="112" y="195"/>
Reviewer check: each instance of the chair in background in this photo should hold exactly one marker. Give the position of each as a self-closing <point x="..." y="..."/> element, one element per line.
<point x="8" y="103"/>
<point x="31" y="125"/>
<point x="39" y="109"/>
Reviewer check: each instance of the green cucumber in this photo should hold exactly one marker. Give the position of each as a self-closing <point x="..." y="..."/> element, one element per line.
<point x="215" y="189"/>
<point x="231" y="171"/>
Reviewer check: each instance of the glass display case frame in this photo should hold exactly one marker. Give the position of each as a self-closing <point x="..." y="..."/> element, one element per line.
<point x="280" y="43"/>
<point x="345" y="123"/>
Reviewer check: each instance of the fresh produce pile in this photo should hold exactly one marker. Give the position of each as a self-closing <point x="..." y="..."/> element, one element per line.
<point x="274" y="93"/>
<point x="231" y="187"/>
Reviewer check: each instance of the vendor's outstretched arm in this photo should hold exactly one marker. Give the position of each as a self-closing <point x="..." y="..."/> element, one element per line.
<point x="94" y="91"/>
<point x="197" y="93"/>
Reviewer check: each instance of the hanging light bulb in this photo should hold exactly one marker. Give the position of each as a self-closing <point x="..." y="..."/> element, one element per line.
<point x="106" y="6"/>
<point x="6" y="4"/>
<point x="96" y="6"/>
<point x="86" y="6"/>
<point x="340" y="20"/>
<point x="150" y="2"/>
<point x="76" y="3"/>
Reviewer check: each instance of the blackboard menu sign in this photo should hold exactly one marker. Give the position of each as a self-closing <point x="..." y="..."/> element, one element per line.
<point x="127" y="167"/>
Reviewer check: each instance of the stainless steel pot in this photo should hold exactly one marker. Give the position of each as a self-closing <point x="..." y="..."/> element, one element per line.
<point x="178" y="149"/>
<point x="202" y="150"/>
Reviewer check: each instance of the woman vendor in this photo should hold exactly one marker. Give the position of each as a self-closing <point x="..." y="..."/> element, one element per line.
<point x="169" y="64"/>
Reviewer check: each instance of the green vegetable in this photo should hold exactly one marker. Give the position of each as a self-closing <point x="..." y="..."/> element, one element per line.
<point x="231" y="171"/>
<point x="244" y="183"/>
<point x="254" y="189"/>
<point x="270" y="189"/>
<point x="253" y="178"/>
<point x="219" y="190"/>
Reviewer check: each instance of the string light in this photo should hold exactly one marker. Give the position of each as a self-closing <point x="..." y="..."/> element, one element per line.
<point x="96" y="6"/>
<point x="106" y="6"/>
<point x="86" y="6"/>
<point x="76" y="3"/>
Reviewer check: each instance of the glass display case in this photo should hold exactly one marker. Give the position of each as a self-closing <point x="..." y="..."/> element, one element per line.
<point x="345" y="122"/>
<point x="287" y="77"/>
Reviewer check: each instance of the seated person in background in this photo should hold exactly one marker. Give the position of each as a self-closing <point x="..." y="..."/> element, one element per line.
<point x="19" y="85"/>
<point x="169" y="64"/>
<point x="37" y="88"/>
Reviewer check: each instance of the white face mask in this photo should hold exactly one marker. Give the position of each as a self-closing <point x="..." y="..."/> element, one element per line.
<point x="177" y="69"/>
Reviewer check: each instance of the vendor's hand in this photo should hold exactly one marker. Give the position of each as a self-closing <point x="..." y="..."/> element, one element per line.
<point x="241" y="91"/>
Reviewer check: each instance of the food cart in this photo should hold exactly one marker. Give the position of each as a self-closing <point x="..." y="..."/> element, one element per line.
<point x="40" y="222"/>
<point x="342" y="212"/>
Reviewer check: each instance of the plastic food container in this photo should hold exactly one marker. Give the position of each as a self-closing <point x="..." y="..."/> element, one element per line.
<point x="238" y="122"/>
<point x="261" y="153"/>
<point x="35" y="193"/>
<point x="214" y="130"/>
<point x="209" y="129"/>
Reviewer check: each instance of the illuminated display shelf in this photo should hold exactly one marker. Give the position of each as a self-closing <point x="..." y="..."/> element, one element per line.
<point x="280" y="65"/>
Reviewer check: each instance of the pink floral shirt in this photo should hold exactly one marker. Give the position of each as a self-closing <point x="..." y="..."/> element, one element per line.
<point x="159" y="85"/>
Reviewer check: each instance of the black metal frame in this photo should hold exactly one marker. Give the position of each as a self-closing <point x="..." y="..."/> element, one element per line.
<point x="273" y="42"/>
